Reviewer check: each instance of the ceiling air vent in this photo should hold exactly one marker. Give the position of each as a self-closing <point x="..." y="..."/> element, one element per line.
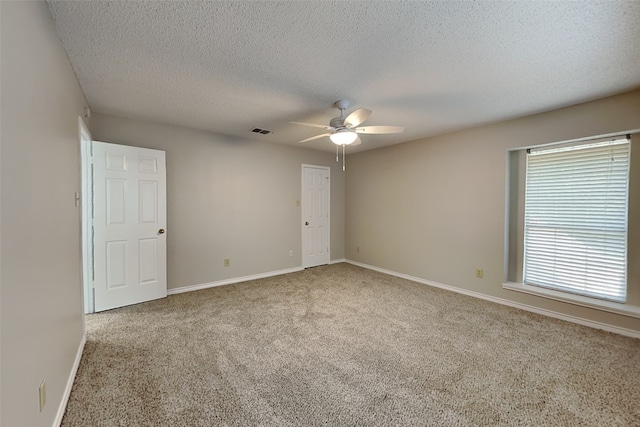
<point x="261" y="131"/>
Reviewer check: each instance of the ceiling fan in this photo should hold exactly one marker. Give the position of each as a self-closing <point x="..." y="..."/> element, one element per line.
<point x="344" y="131"/>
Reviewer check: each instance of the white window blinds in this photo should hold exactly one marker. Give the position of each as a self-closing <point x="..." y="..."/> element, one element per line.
<point x="576" y="218"/>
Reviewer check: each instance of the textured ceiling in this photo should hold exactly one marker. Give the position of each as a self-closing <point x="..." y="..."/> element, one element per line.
<point x="431" y="67"/>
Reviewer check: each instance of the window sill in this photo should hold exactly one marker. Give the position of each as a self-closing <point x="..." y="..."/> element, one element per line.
<point x="612" y="307"/>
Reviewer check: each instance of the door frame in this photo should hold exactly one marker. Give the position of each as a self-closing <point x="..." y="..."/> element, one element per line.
<point x="302" y="198"/>
<point x="86" y="203"/>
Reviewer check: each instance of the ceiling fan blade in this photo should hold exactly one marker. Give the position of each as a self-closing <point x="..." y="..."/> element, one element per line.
<point x="313" y="125"/>
<point x="379" y="129"/>
<point x="357" y="117"/>
<point x="358" y="141"/>
<point x="315" y="137"/>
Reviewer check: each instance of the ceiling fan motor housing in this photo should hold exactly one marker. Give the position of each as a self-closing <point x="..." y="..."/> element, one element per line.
<point x="337" y="122"/>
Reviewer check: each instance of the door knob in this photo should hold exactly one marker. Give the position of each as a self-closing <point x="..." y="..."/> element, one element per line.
<point x="161" y="231"/>
<point x="306" y="223"/>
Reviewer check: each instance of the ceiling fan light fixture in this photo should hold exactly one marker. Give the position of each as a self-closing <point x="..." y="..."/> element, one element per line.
<point x="343" y="137"/>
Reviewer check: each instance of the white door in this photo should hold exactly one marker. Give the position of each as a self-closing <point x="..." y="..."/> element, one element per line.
<point x="129" y="225"/>
<point x="315" y="215"/>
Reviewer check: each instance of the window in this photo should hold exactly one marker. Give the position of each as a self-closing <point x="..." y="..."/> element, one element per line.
<point x="575" y="218"/>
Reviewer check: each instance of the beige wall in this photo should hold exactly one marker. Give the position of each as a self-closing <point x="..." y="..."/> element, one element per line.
<point x="229" y="198"/>
<point x="41" y="300"/>
<point x="435" y="208"/>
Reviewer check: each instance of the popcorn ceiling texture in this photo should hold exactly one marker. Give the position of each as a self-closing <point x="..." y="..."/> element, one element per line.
<point x="428" y="66"/>
<point x="340" y="345"/>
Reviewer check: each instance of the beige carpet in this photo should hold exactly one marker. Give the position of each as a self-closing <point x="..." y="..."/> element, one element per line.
<point x="344" y="346"/>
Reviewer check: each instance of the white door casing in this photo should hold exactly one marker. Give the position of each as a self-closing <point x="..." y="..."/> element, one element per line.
<point x="316" y="186"/>
<point x="87" y="216"/>
<point x="129" y="225"/>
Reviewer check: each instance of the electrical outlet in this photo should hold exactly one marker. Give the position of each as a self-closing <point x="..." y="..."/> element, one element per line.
<point x="43" y="394"/>
<point x="358" y="249"/>
<point x="290" y="253"/>
<point x="479" y="273"/>
<point x="297" y="203"/>
<point x="227" y="262"/>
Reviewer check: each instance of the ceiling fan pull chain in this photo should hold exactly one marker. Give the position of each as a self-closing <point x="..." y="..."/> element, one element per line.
<point x="343" y="157"/>
<point x="337" y="151"/>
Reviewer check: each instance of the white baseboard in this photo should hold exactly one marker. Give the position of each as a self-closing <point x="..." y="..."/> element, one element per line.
<point x="72" y="376"/>
<point x="191" y="288"/>
<point x="337" y="261"/>
<point x="579" y="320"/>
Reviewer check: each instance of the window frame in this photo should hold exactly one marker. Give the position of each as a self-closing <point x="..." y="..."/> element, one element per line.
<point x="514" y="230"/>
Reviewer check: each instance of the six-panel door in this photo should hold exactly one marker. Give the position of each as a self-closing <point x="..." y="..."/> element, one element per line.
<point x="315" y="215"/>
<point x="129" y="225"/>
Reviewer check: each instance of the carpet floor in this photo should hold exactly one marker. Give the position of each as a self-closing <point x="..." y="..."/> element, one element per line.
<point x="340" y="345"/>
